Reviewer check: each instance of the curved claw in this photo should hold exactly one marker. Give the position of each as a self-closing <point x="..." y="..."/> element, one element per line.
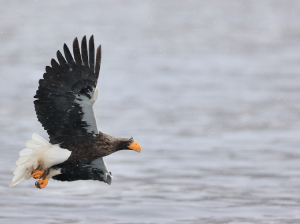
<point x="41" y="183"/>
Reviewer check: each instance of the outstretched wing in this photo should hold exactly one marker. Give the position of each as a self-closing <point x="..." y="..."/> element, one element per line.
<point x="67" y="92"/>
<point x="95" y="170"/>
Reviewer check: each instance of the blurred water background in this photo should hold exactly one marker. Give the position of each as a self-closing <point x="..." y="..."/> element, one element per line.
<point x="210" y="89"/>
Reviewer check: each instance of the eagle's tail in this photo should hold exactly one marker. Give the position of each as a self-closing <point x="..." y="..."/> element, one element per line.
<point x="30" y="158"/>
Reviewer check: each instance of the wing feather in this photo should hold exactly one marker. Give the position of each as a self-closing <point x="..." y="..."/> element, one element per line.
<point x="98" y="62"/>
<point x="76" y="52"/>
<point x="91" y="52"/>
<point x="84" y="51"/>
<point x="95" y="170"/>
<point x="68" y="55"/>
<point x="67" y="92"/>
<point x="62" y="61"/>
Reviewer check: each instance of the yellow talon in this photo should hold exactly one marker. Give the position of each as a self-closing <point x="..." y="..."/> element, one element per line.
<point x="41" y="183"/>
<point x="37" y="174"/>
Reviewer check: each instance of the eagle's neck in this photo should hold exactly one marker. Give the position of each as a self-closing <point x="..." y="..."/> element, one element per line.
<point x="113" y="144"/>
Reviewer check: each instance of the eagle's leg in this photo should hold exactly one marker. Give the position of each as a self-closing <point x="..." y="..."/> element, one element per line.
<point x="46" y="175"/>
<point x="42" y="183"/>
<point x="37" y="174"/>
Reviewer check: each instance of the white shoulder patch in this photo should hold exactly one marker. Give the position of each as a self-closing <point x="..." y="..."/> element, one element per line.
<point x="88" y="112"/>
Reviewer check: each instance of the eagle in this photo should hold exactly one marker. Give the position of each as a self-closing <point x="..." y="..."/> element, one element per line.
<point x="64" y="107"/>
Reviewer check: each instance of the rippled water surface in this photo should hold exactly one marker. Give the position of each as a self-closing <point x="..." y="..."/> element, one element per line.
<point x="210" y="89"/>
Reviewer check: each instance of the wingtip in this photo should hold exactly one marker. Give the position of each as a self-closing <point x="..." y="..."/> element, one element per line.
<point x="99" y="49"/>
<point x="84" y="51"/>
<point x="92" y="38"/>
<point x="92" y="52"/>
<point x="58" y="54"/>
<point x="98" y="61"/>
<point x="83" y="39"/>
<point x="75" y="41"/>
<point x="98" y="56"/>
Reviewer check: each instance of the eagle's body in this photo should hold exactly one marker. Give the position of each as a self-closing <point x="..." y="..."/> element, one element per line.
<point x="89" y="148"/>
<point x="64" y="106"/>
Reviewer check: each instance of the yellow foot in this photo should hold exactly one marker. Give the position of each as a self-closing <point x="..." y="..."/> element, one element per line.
<point x="41" y="183"/>
<point x="37" y="174"/>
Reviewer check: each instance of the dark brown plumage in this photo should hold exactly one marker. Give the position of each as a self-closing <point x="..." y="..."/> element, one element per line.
<point x="90" y="147"/>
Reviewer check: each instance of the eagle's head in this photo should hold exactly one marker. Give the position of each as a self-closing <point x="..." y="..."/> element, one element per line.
<point x="129" y="144"/>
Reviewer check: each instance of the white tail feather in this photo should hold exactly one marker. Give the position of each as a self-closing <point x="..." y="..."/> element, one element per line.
<point x="39" y="140"/>
<point x="25" y="152"/>
<point x="35" y="156"/>
<point x="32" y="145"/>
<point x="22" y="160"/>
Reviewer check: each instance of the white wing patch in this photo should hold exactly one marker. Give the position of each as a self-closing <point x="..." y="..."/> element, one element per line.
<point x="100" y="164"/>
<point x="88" y="112"/>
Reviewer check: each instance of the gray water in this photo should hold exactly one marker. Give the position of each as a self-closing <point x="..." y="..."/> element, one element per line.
<point x="210" y="90"/>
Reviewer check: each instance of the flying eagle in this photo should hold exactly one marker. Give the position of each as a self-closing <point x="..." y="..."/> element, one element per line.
<point x="64" y="106"/>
